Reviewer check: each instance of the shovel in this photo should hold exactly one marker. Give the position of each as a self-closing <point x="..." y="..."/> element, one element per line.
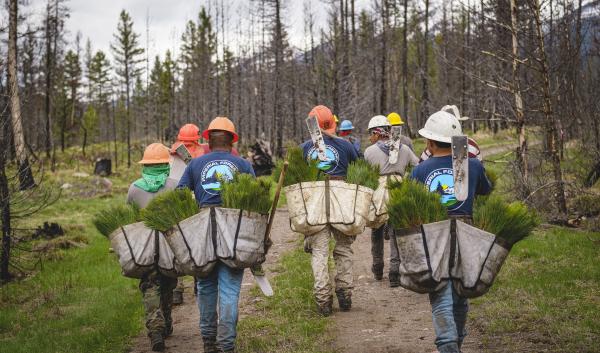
<point x="259" y="276"/>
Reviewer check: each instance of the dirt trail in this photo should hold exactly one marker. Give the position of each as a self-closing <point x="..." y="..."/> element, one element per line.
<point x="186" y="334"/>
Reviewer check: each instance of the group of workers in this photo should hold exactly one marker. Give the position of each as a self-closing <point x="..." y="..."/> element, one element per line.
<point x="218" y="293"/>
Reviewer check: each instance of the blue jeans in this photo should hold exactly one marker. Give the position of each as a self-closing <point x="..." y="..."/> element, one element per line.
<point x="449" y="318"/>
<point x="223" y="286"/>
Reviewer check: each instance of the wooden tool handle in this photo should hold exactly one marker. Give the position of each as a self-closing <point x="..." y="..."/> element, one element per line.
<point x="276" y="201"/>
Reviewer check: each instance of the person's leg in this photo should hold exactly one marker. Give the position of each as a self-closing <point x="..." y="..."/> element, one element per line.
<point x="442" y="308"/>
<point x="167" y="286"/>
<point x="178" y="292"/>
<point x="207" y="304"/>
<point x="230" y="284"/>
<point x="461" y="308"/>
<point x="319" y="243"/>
<point x="155" y="321"/>
<point x="377" y="252"/>
<point x="394" y="261"/>
<point x="344" y="282"/>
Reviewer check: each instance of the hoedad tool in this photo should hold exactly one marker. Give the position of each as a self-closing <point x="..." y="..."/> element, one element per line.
<point x="395" y="143"/>
<point x="317" y="137"/>
<point x="460" y="166"/>
<point x="184" y="153"/>
<point x="259" y="276"/>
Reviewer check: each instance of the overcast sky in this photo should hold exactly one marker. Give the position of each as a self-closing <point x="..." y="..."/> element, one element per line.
<point x="97" y="19"/>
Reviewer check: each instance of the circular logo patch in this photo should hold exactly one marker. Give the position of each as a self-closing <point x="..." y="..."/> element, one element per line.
<point x="214" y="172"/>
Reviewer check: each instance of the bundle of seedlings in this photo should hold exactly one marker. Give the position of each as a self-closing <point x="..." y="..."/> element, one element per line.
<point x="511" y="222"/>
<point x="299" y="169"/>
<point x="362" y="173"/>
<point x="109" y="220"/>
<point x="247" y="193"/>
<point x="412" y="205"/>
<point x="169" y="208"/>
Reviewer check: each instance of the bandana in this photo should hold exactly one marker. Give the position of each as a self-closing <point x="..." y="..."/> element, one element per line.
<point x="383" y="132"/>
<point x="153" y="177"/>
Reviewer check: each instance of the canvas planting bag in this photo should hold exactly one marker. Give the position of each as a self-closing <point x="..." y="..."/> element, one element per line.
<point x="480" y="256"/>
<point x="378" y="213"/>
<point x="449" y="250"/>
<point x="240" y="237"/>
<point x="424" y="256"/>
<point x="136" y="245"/>
<point x="314" y="205"/>
<point x="193" y="244"/>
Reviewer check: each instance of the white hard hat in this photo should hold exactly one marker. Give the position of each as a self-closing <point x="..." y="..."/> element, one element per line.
<point x="441" y="126"/>
<point x="454" y="110"/>
<point x="378" y="121"/>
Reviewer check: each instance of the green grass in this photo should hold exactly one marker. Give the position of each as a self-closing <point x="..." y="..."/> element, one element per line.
<point x="288" y="321"/>
<point x="78" y="302"/>
<point x="547" y="296"/>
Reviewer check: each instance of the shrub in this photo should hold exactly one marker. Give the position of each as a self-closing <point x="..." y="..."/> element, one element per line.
<point x="109" y="220"/>
<point x="245" y="192"/>
<point x="169" y="208"/>
<point x="411" y="205"/>
<point x="299" y="170"/>
<point x="362" y="173"/>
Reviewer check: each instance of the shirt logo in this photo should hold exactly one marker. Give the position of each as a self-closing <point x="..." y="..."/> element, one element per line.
<point x="215" y="171"/>
<point x="441" y="181"/>
<point x="330" y="164"/>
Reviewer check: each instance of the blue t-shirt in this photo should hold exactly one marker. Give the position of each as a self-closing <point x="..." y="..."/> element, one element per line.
<point x="340" y="153"/>
<point x="203" y="173"/>
<point x="436" y="174"/>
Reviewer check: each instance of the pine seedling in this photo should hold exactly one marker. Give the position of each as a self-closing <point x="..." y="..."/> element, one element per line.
<point x="247" y="193"/>
<point x="412" y="205"/>
<point x="511" y="222"/>
<point x="299" y="170"/>
<point x="362" y="173"/>
<point x="109" y="220"/>
<point x="168" y="209"/>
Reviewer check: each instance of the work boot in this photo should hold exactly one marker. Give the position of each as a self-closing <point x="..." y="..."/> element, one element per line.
<point x="325" y="309"/>
<point x="377" y="270"/>
<point x="344" y="299"/>
<point x="177" y="297"/>
<point x="210" y="344"/>
<point x="157" y="341"/>
<point x="394" y="279"/>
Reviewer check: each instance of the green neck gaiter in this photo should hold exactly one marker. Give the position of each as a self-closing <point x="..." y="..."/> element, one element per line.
<point x="153" y="177"/>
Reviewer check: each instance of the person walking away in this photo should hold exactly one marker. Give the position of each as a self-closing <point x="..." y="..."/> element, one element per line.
<point x="378" y="154"/>
<point x="395" y="120"/>
<point x="157" y="289"/>
<point x="448" y="308"/>
<point x="345" y="131"/>
<point x="222" y="286"/>
<point x="189" y="136"/>
<point x="340" y="153"/>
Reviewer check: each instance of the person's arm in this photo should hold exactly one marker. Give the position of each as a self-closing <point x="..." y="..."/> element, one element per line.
<point x="249" y="169"/>
<point x="353" y="154"/>
<point x="484" y="186"/>
<point x="412" y="157"/>
<point x="186" y="181"/>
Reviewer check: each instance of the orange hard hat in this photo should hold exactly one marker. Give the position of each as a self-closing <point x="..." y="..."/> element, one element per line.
<point x="155" y="153"/>
<point x="189" y="132"/>
<point x="324" y="117"/>
<point x="222" y="124"/>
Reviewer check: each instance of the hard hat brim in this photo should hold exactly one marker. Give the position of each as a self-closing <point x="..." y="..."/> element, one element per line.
<point x="434" y="137"/>
<point x="154" y="161"/>
<point x="206" y="134"/>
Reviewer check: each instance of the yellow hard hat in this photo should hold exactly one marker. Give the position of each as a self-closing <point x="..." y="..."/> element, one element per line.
<point x="337" y="121"/>
<point x="395" y="119"/>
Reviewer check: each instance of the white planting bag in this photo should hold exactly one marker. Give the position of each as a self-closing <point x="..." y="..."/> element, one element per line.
<point x="314" y="205"/>
<point x="135" y="246"/>
<point x="424" y="256"/>
<point x="240" y="237"/>
<point x="378" y="213"/>
<point x="193" y="244"/>
<point x="479" y="259"/>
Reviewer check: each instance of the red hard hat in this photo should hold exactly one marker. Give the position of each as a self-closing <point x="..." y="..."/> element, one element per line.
<point x="189" y="132"/>
<point x="325" y="118"/>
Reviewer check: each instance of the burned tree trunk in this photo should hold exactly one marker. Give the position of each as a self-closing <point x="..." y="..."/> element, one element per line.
<point x="516" y="87"/>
